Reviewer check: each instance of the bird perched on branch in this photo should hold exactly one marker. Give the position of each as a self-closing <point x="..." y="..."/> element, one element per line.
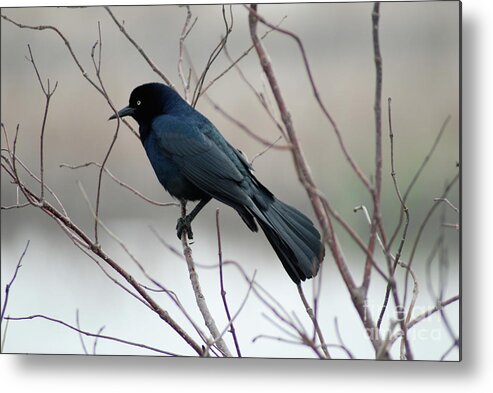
<point x="194" y="162"/>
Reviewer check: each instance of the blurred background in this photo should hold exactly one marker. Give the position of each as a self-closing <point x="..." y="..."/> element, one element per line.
<point x="420" y="49"/>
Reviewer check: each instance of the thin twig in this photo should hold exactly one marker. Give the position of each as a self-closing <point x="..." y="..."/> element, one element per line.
<point x="377" y="108"/>
<point x="432" y="311"/>
<point x="352" y="233"/>
<point x="425" y="315"/>
<point x="238" y="59"/>
<point x="265" y="150"/>
<point x="291" y="321"/>
<point x="253" y="13"/>
<point x="309" y="311"/>
<point x="99" y="336"/>
<point x="6" y="136"/>
<point x="404" y="208"/>
<point x="391" y="281"/>
<point x="244" y="127"/>
<point x="214" y="55"/>
<point x="287" y="341"/>
<point x="223" y="291"/>
<point x="79" y="332"/>
<point x="443" y="269"/>
<point x="141" y="51"/>
<point x="422" y="227"/>
<point x="417" y="174"/>
<point x="404" y="345"/>
<point x="448" y="203"/>
<point x="9" y="285"/>
<point x="232" y="119"/>
<point x="341" y="342"/>
<point x="187" y="28"/>
<point x="48" y="94"/>
<point x="120" y="182"/>
<point x="97" y="67"/>
<point x="447" y="352"/>
<point x="66" y="42"/>
<point x="242" y="305"/>
<point x="81" y="247"/>
<point x="388" y="341"/>
<point x="16" y="206"/>
<point x="48" y="188"/>
<point x="197" y="290"/>
<point x="260" y="97"/>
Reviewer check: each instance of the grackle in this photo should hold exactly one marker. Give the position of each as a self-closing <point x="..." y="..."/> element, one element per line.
<point x="194" y="162"/>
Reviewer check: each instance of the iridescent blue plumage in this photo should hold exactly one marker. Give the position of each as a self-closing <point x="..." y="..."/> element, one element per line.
<point x="193" y="161"/>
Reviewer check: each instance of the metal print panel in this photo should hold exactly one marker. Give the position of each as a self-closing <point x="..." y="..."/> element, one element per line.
<point x="267" y="181"/>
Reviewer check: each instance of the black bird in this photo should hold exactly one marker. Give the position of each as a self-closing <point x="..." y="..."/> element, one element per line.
<point x="194" y="162"/>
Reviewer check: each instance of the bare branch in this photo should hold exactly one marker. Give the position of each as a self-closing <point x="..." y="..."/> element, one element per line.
<point x="244" y="127"/>
<point x="432" y="311"/>
<point x="9" y="285"/>
<point x="98" y="336"/>
<point x="187" y="28"/>
<point x="426" y="314"/>
<point x="377" y="108"/>
<point x="253" y="11"/>
<point x="15" y="206"/>
<point x="97" y="67"/>
<point x="265" y="150"/>
<point x="141" y="51"/>
<point x="67" y="44"/>
<point x="423" y="225"/>
<point x="404" y="209"/>
<point x="214" y="54"/>
<point x="351" y="232"/>
<point x="48" y="94"/>
<point x="172" y="296"/>
<point x="197" y="290"/>
<point x="240" y="308"/>
<point x="80" y="334"/>
<point x="391" y="281"/>
<point x="404" y="343"/>
<point x="73" y="229"/>
<point x="304" y="173"/>
<point x="260" y="97"/>
<point x="448" y="203"/>
<point x="241" y="57"/>
<point x="120" y="182"/>
<point x="309" y="311"/>
<point x="223" y="291"/>
<point x="33" y="176"/>
<point x="417" y="174"/>
<point x="74" y="57"/>
<point x="448" y="351"/>
<point x="341" y="342"/>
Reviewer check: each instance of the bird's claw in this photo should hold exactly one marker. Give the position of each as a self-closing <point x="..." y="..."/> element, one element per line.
<point x="184" y="225"/>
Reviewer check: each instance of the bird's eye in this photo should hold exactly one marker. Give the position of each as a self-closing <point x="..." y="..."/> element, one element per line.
<point x="139" y="102"/>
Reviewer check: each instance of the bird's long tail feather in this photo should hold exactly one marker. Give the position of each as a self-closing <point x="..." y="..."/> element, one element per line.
<point x="294" y="238"/>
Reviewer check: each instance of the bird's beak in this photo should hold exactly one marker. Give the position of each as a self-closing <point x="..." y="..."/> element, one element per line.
<point x="127" y="111"/>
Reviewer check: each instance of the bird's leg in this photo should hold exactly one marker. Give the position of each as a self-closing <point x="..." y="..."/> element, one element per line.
<point x="184" y="223"/>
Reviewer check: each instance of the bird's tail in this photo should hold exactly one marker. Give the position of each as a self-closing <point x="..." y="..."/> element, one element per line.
<point x="293" y="236"/>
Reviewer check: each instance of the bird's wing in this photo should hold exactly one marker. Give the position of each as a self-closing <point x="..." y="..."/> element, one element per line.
<point x="200" y="159"/>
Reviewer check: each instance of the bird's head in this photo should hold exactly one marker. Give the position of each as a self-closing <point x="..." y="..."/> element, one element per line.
<point x="148" y="101"/>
